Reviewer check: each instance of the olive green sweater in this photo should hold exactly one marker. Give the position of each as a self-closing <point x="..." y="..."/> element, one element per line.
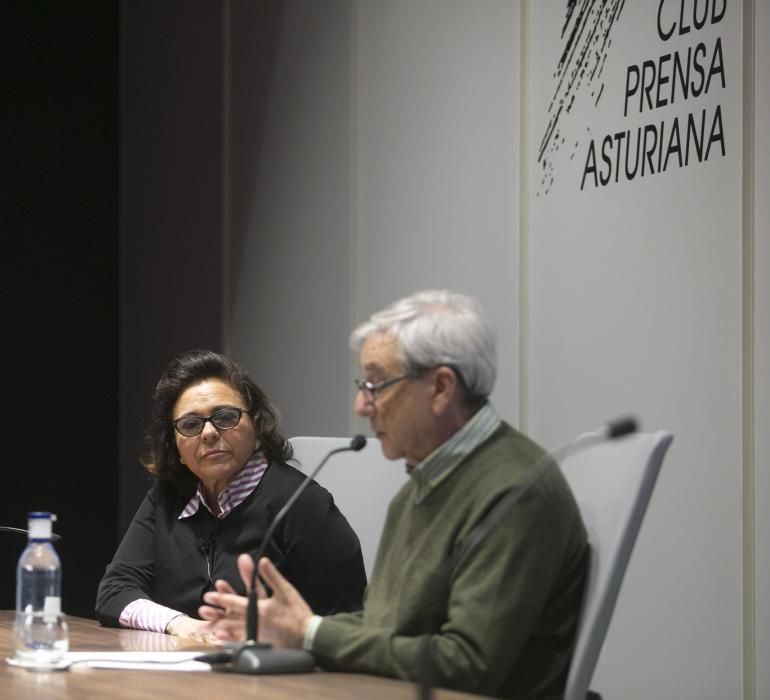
<point x="504" y="622"/>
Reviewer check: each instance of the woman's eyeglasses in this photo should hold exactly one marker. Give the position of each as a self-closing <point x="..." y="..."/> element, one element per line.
<point x="222" y="419"/>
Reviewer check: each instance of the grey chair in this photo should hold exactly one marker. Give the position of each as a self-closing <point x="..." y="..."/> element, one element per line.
<point x="362" y="484"/>
<point x="612" y="482"/>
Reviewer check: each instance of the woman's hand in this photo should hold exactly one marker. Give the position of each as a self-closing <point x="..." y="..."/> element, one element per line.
<point x="187" y="628"/>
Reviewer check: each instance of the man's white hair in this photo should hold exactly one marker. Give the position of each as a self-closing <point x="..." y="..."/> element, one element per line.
<point x="438" y="327"/>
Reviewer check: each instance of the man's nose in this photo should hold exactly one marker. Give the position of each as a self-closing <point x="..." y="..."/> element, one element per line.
<point x="362" y="407"/>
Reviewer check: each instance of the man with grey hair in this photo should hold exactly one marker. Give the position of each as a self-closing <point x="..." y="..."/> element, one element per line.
<point x="501" y="618"/>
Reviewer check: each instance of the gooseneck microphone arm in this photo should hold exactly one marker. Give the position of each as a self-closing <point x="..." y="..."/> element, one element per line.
<point x="357" y="443"/>
<point x="22" y="531"/>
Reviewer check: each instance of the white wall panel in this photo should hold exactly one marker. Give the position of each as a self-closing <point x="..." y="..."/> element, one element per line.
<point x="635" y="306"/>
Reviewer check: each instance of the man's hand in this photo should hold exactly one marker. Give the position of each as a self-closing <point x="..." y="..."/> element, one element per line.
<point x="225" y="612"/>
<point x="283" y="617"/>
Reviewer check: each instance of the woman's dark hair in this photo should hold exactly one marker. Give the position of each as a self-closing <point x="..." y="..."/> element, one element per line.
<point x="159" y="454"/>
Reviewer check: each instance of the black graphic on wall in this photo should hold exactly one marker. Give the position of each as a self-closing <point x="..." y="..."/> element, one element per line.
<point x="585" y="44"/>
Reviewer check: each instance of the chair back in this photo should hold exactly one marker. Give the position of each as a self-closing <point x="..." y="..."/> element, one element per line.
<point x="361" y="483"/>
<point x="612" y="482"/>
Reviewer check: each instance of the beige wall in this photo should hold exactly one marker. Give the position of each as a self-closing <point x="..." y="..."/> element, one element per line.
<point x="388" y="160"/>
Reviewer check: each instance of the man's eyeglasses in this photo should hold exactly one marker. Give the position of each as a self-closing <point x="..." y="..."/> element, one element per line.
<point x="371" y="390"/>
<point x="222" y="419"/>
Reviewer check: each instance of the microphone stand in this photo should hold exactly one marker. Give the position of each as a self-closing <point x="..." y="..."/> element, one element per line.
<point x="254" y="657"/>
<point x="613" y="430"/>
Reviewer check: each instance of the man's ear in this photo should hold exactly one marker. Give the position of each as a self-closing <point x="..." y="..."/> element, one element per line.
<point x="445" y="388"/>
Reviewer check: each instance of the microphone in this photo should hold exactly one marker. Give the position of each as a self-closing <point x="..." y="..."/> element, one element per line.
<point x="612" y="430"/>
<point x="21" y="531"/>
<point x="254" y="657"/>
<point x="206" y="544"/>
<point x="620" y="427"/>
<point x="206" y="548"/>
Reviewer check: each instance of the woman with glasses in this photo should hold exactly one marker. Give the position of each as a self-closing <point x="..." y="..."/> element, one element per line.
<point x="221" y="475"/>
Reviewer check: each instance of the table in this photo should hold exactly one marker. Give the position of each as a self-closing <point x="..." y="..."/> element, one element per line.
<point x="92" y="684"/>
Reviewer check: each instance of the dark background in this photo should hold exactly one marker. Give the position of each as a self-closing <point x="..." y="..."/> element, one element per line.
<point x="60" y="240"/>
<point x="112" y="235"/>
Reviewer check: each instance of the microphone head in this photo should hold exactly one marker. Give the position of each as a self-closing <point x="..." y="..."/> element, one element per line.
<point x="621" y="426"/>
<point x="358" y="443"/>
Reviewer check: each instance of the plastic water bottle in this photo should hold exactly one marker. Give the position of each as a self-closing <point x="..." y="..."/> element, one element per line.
<point x="40" y="635"/>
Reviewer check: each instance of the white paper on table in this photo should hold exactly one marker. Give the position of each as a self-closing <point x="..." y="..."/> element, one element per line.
<point x="130" y="660"/>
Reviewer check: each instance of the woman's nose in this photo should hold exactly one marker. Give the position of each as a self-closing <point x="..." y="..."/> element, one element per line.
<point x="209" y="430"/>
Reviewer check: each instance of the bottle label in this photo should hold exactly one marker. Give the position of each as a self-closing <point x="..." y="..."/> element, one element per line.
<point x="51" y="608"/>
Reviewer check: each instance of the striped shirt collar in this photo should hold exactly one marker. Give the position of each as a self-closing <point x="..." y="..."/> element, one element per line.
<point x="236" y="492"/>
<point x="446" y="457"/>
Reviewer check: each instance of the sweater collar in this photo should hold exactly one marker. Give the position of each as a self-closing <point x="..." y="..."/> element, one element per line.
<point x="440" y="463"/>
<point x="237" y="491"/>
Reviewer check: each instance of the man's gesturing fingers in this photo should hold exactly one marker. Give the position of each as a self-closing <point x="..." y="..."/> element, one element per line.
<point x="272" y="577"/>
